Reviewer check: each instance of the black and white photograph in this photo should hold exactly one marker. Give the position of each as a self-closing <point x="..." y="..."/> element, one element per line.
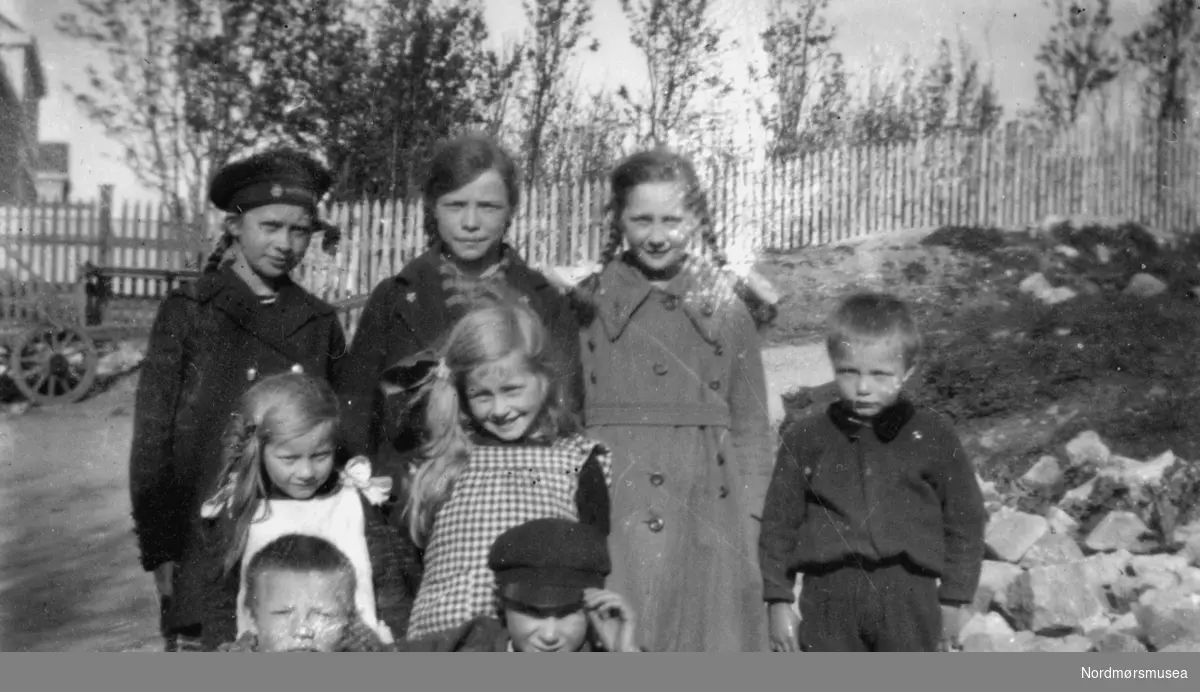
<point x="627" y="326"/>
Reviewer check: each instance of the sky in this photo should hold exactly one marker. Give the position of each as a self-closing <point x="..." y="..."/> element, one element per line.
<point x="872" y="33"/>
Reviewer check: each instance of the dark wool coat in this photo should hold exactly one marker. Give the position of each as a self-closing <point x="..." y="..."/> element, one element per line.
<point x="395" y="569"/>
<point x="900" y="489"/>
<point x="411" y="313"/>
<point x="675" y="388"/>
<point x="210" y="341"/>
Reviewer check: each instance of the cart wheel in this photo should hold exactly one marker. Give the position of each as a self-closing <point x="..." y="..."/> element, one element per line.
<point x="54" y="365"/>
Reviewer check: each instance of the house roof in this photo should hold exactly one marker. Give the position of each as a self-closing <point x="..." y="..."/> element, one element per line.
<point x="11" y="30"/>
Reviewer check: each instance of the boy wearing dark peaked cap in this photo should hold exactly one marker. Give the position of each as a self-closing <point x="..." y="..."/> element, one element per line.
<point x="241" y="320"/>
<point x="279" y="176"/>
<point x="550" y="577"/>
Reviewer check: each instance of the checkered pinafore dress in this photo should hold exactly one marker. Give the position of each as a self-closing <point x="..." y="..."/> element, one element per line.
<point x="502" y="487"/>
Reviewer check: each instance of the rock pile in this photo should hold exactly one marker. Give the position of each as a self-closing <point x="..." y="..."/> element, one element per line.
<point x="1093" y="255"/>
<point x="1091" y="552"/>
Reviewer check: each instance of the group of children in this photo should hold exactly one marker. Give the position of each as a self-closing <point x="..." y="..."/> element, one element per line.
<point x="561" y="468"/>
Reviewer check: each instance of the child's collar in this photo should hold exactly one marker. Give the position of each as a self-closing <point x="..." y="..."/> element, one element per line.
<point x="483" y="438"/>
<point x="700" y="288"/>
<point x="887" y="424"/>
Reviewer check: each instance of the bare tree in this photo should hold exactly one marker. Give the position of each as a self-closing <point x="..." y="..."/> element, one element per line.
<point x="141" y="100"/>
<point x="797" y="43"/>
<point x="1166" y="49"/>
<point x="682" y="47"/>
<point x="1076" y="57"/>
<point x="556" y="28"/>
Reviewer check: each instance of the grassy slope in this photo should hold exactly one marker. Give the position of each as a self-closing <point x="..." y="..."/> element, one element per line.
<point x="1017" y="377"/>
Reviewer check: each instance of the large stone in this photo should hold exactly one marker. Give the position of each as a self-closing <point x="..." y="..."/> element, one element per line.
<point x="1078" y="495"/>
<point x="1066" y="251"/>
<point x="1054" y="600"/>
<point x="1183" y="645"/>
<point x="1105" y="569"/>
<point x="1010" y="533"/>
<point x="1052" y="549"/>
<point x="1035" y="284"/>
<point x="1139" y="476"/>
<point x="1087" y="449"/>
<point x="990" y="624"/>
<point x="1073" y="643"/>
<point x="994" y="579"/>
<point x="988" y="489"/>
<point x="1039" y="288"/>
<point x="1127" y="624"/>
<point x="1043" y="474"/>
<point x="1099" y="622"/>
<point x="1144" y="285"/>
<point x="1120" y="530"/>
<point x="1190" y="579"/>
<point x="1128" y="589"/>
<point x="1144" y="564"/>
<point x="1061" y="522"/>
<point x="1119" y="642"/>
<point x="1168" y="616"/>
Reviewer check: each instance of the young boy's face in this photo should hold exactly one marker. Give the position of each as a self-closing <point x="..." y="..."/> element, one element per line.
<point x="545" y="630"/>
<point x="301" y="611"/>
<point x="870" y="375"/>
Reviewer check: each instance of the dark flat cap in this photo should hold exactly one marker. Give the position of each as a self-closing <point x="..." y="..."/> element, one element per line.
<point x="547" y="563"/>
<point x="278" y="176"/>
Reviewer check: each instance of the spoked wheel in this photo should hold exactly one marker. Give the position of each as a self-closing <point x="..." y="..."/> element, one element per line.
<point x="54" y="364"/>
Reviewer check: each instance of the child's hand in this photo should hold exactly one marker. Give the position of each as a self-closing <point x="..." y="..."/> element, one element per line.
<point x="784" y="626"/>
<point x="613" y="619"/>
<point x="951" y="624"/>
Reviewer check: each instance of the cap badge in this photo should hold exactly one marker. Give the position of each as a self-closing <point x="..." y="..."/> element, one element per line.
<point x="277" y="191"/>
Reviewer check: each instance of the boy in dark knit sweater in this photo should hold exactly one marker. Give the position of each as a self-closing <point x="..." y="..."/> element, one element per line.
<point x="874" y="501"/>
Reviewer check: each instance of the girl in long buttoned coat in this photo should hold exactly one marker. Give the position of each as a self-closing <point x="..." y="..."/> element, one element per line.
<point x="675" y="387"/>
<point x="211" y="340"/>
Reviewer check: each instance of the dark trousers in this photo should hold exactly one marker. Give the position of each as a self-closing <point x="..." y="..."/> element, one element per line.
<point x="176" y="638"/>
<point x="870" y="607"/>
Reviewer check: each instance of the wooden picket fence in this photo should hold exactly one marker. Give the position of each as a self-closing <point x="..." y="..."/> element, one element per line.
<point x="1008" y="178"/>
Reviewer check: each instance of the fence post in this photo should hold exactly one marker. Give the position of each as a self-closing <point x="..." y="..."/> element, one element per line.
<point x="106" y="205"/>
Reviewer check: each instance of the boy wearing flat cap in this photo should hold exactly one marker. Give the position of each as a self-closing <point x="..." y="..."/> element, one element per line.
<point x="242" y="320"/>
<point x="550" y="583"/>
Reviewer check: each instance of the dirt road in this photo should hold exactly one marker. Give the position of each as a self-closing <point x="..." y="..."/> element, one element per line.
<point x="69" y="578"/>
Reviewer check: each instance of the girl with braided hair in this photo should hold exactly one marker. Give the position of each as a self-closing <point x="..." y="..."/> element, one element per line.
<point x="675" y="388"/>
<point x="213" y="338"/>
<point x="279" y="479"/>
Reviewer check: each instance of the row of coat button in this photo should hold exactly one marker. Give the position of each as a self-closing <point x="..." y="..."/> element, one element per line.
<point x="657" y="479"/>
<point x="252" y="373"/>
<point x="660" y="370"/>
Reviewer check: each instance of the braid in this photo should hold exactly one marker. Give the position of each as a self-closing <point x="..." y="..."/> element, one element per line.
<point x="431" y="225"/>
<point x="615" y="238"/>
<point x="764" y="313"/>
<point x="214" y="260"/>
<point x="709" y="235"/>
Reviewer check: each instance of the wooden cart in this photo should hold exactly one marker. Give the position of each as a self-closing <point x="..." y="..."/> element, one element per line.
<point x="49" y="332"/>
